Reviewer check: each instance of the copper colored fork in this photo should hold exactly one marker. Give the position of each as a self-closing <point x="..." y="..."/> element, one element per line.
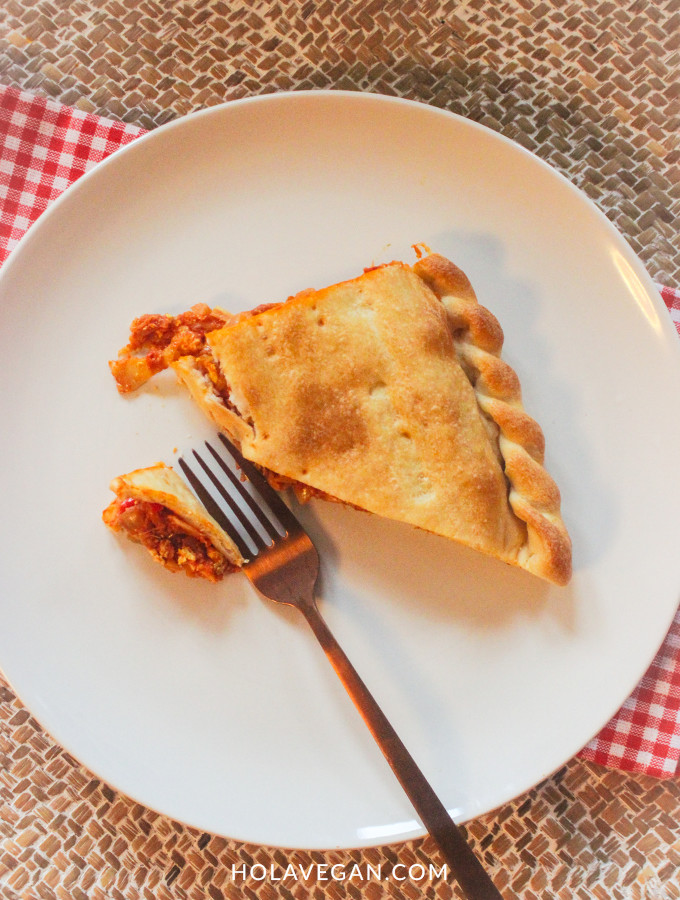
<point x="283" y="566"/>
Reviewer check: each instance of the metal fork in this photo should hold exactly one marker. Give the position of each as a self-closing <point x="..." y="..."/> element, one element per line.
<point x="283" y="566"/>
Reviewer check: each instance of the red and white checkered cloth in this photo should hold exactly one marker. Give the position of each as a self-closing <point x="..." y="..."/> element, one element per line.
<point x="45" y="146"/>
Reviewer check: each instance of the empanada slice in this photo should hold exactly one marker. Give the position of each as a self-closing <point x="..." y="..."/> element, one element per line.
<point x="153" y="507"/>
<point x="387" y="393"/>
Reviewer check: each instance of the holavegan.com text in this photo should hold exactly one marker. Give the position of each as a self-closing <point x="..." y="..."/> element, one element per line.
<point x="337" y="872"/>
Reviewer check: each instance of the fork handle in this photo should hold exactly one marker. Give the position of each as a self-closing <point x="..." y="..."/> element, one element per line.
<point x="464" y="865"/>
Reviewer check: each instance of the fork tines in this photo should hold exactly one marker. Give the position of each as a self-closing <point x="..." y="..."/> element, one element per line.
<point x="237" y="496"/>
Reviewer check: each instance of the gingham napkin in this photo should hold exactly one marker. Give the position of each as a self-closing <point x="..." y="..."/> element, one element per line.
<point x="45" y="146"/>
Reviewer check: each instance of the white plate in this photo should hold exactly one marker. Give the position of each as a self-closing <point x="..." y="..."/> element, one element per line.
<point x="213" y="706"/>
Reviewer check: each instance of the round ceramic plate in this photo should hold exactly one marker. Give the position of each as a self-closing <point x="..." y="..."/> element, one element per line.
<point x="206" y="702"/>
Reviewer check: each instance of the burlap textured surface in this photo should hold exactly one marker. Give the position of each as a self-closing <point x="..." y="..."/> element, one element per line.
<point x="589" y="86"/>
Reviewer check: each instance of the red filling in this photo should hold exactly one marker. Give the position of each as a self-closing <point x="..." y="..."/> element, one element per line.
<point x="169" y="539"/>
<point x="156" y="341"/>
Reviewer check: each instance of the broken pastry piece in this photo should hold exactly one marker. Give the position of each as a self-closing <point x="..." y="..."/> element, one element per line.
<point x="153" y="507"/>
<point x="388" y="393"/>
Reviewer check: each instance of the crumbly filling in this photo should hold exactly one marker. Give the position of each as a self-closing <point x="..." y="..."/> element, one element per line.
<point x="156" y="341"/>
<point x="170" y="540"/>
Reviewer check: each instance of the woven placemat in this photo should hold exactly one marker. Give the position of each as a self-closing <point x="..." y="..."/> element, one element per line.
<point x="585" y="833"/>
<point x="590" y="87"/>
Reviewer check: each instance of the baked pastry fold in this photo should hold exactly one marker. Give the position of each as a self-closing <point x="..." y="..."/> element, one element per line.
<point x="153" y="507"/>
<point x="388" y="393"/>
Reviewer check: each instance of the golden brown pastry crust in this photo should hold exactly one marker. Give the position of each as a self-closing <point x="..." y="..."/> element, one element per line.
<point x="388" y="392"/>
<point x="160" y="484"/>
<point x="533" y="496"/>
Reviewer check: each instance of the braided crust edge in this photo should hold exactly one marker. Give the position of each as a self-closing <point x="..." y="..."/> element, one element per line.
<point x="533" y="495"/>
